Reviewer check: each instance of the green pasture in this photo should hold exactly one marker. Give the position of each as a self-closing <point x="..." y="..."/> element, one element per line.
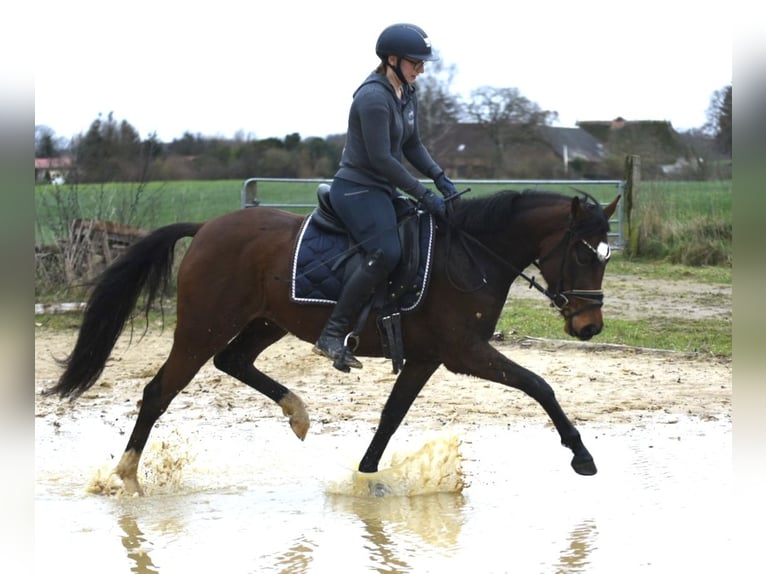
<point x="673" y="208"/>
<point x="686" y="201"/>
<point x="524" y="318"/>
<point x="536" y="318"/>
<point x="159" y="203"/>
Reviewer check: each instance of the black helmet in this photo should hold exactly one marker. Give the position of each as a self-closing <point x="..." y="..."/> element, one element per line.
<point x="404" y="40"/>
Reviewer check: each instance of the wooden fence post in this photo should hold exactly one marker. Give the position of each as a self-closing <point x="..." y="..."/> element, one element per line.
<point x="631" y="221"/>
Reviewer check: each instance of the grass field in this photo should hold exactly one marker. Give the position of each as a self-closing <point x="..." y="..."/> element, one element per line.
<point x="160" y="203"/>
<point x="675" y="204"/>
<point x="684" y="200"/>
<point x="533" y="317"/>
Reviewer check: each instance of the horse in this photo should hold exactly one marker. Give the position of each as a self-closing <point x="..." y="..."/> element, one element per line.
<point x="233" y="302"/>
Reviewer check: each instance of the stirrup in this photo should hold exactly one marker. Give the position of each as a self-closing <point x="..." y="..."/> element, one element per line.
<point x="345" y="358"/>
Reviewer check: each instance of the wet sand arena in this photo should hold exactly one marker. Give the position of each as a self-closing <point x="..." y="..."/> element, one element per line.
<point x="474" y="480"/>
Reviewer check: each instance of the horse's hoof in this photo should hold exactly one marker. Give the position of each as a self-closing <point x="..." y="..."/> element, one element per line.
<point x="584" y="466"/>
<point x="293" y="407"/>
<point x="378" y="489"/>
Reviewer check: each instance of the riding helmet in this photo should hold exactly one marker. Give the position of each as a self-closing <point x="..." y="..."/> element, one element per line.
<point x="405" y="40"/>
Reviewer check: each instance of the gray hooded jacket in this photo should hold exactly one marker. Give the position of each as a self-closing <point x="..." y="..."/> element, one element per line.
<point x="382" y="130"/>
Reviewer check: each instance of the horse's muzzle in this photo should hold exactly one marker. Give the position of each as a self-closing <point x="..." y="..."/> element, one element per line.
<point x="586" y="321"/>
<point x="588" y="331"/>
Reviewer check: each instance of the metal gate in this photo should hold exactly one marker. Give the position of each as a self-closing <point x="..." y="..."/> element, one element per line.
<point x="249" y="195"/>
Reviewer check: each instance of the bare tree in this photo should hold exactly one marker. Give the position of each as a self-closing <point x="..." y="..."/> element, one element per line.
<point x="508" y="117"/>
<point x="438" y="109"/>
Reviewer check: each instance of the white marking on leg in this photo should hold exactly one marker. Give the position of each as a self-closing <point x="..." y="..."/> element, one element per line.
<point x="293" y="407"/>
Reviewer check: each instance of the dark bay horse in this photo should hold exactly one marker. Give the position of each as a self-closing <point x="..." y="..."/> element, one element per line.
<point x="233" y="301"/>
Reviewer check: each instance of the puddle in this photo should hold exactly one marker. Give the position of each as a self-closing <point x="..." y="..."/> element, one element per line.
<point x="251" y="498"/>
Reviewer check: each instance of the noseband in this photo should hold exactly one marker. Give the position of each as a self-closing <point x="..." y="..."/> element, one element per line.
<point x="560" y="298"/>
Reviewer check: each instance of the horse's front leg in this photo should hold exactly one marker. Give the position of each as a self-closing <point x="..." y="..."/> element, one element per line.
<point x="409" y="383"/>
<point x="486" y="362"/>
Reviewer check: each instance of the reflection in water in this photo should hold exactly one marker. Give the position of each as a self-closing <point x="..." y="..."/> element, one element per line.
<point x="435" y="518"/>
<point x="135" y="543"/>
<point x="576" y="557"/>
<point x="419" y="493"/>
<point x="382" y="548"/>
<point x="297" y="558"/>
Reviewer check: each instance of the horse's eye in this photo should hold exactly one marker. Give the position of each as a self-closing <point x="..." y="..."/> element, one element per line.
<point x="584" y="255"/>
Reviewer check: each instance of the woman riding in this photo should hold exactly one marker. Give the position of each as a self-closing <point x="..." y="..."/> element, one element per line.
<point x="382" y="131"/>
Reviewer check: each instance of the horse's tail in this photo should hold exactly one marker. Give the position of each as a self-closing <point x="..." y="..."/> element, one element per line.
<point x="146" y="266"/>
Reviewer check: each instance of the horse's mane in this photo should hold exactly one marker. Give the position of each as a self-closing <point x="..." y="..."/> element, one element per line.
<point x="495" y="212"/>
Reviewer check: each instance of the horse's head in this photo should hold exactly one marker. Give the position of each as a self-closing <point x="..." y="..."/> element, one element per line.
<point x="574" y="267"/>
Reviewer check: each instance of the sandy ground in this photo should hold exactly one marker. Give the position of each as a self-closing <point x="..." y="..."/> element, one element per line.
<point x="249" y="482"/>
<point x="593" y="382"/>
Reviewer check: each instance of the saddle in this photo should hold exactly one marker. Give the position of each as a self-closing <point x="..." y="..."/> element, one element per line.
<point x="324" y="238"/>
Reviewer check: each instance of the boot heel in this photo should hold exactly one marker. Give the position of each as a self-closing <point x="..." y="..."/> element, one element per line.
<point x="341" y="365"/>
<point x="347" y="358"/>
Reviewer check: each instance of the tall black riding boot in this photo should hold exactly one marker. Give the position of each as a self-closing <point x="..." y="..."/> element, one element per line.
<point x="356" y="291"/>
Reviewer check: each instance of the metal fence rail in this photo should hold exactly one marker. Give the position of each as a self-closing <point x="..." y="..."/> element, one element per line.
<point x="249" y="194"/>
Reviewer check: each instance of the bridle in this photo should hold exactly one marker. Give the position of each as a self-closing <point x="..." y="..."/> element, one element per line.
<point x="559" y="298"/>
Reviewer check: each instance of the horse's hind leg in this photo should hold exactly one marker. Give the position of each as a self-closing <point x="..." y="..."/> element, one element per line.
<point x="237" y="360"/>
<point x="170" y="380"/>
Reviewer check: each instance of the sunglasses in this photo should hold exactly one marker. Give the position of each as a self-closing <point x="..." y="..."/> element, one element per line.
<point x="416" y="64"/>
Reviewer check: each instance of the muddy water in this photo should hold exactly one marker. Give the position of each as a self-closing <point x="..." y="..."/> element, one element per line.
<point x="252" y="499"/>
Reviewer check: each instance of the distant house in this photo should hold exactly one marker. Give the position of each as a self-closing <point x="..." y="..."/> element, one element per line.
<point x="52" y="169"/>
<point x="482" y="151"/>
<point x="662" y="149"/>
<point x="464" y="150"/>
<point x="577" y="149"/>
<point x="592" y="150"/>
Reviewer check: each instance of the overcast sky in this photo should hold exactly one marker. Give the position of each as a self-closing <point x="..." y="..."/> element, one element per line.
<point x="273" y="68"/>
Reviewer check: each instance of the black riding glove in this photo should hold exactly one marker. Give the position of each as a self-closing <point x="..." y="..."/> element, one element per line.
<point x="445" y="186"/>
<point x="432" y="203"/>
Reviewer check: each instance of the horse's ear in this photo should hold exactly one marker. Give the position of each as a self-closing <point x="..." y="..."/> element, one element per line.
<point x="610" y="209"/>
<point x="577" y="209"/>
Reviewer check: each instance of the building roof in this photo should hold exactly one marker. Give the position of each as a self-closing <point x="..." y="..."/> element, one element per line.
<point x="53" y="162"/>
<point x="651" y="138"/>
<point x="578" y="143"/>
<point x="475" y="139"/>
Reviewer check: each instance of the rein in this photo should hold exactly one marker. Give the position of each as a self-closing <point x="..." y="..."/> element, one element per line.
<point x="467" y="237"/>
<point x="558" y="298"/>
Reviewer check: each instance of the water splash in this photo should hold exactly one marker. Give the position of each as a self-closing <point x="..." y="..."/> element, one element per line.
<point x="162" y="469"/>
<point x="435" y="467"/>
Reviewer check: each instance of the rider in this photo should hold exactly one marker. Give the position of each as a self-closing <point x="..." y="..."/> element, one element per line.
<point x="382" y="131"/>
